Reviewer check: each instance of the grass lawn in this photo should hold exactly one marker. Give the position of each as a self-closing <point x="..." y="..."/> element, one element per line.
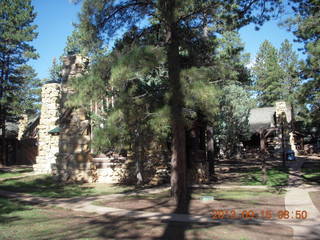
<point x="311" y="174"/>
<point x="46" y="186"/>
<point x="276" y="177"/>
<point x="21" y="222"/>
<point x="15" y="173"/>
<point x="18" y="221"/>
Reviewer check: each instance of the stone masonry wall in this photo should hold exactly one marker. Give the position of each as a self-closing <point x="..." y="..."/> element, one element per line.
<point x="23" y="123"/>
<point x="74" y="161"/>
<point x="66" y="154"/>
<point x="48" y="143"/>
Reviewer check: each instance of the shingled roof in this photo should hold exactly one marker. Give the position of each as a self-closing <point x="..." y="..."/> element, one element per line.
<point x="261" y="118"/>
<point x="31" y="129"/>
<point x="11" y="130"/>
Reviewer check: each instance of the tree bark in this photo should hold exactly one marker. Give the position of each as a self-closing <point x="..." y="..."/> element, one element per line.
<point x="178" y="159"/>
<point x="292" y="118"/>
<point x="264" y="168"/>
<point x="2" y="117"/>
<point x="3" y="141"/>
<point x="283" y="143"/>
<point x="210" y="151"/>
<point x="176" y="103"/>
<point x="138" y="153"/>
<point x="262" y="141"/>
<point x="263" y="150"/>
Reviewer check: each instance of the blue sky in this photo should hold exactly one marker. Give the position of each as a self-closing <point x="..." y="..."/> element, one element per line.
<point x="55" y="18"/>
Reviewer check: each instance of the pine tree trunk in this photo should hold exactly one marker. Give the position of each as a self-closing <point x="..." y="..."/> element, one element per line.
<point x="3" y="141"/>
<point x="2" y="121"/>
<point x="292" y="118"/>
<point x="263" y="150"/>
<point x="210" y="151"/>
<point x="176" y="102"/>
<point x="139" y="160"/>
<point x="262" y="142"/>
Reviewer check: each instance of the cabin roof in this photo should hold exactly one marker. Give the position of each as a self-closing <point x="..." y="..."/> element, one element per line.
<point x="11" y="130"/>
<point x="261" y="118"/>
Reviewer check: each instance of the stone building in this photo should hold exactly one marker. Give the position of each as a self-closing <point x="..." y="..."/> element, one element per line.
<point x="48" y="143"/>
<point x="65" y="135"/>
<point x="271" y="128"/>
<point x="65" y="141"/>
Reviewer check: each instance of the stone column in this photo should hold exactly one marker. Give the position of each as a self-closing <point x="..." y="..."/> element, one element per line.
<point x="74" y="162"/>
<point x="283" y="115"/>
<point x="48" y="143"/>
<point x="23" y="123"/>
<point x="293" y="144"/>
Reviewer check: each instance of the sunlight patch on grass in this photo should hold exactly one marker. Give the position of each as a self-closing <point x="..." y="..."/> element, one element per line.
<point x="46" y="186"/>
<point x="275" y="177"/>
<point x="311" y="173"/>
<point x="148" y="196"/>
<point x="7" y="206"/>
<point x="15" y="172"/>
<point x="26" y="222"/>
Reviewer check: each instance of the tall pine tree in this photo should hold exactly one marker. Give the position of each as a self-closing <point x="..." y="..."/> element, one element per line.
<point x="276" y="74"/>
<point x="16" y="33"/>
<point x="267" y="74"/>
<point x="103" y="19"/>
<point x="291" y="81"/>
<point x="306" y="27"/>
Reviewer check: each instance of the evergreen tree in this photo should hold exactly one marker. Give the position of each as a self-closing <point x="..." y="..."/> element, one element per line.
<point x="73" y="46"/>
<point x="16" y="33"/>
<point x="75" y="43"/>
<point x="267" y="74"/>
<point x="55" y="71"/>
<point x="29" y="101"/>
<point x="234" y="81"/>
<point x="176" y="20"/>
<point x="276" y="75"/>
<point x="305" y="27"/>
<point x="288" y="61"/>
<point x="230" y="61"/>
<point x="232" y="120"/>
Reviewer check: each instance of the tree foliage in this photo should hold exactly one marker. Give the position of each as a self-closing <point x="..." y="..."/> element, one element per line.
<point x="55" y="71"/>
<point x="268" y="73"/>
<point x="182" y="30"/>
<point x="288" y="61"/>
<point x="276" y="74"/>
<point x="232" y="120"/>
<point x="16" y="33"/>
<point x="306" y="27"/>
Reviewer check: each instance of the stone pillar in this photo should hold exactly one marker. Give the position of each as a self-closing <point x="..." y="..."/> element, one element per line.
<point x="293" y="144"/>
<point x="283" y="115"/>
<point x="48" y="143"/>
<point x="23" y="123"/>
<point x="74" y="162"/>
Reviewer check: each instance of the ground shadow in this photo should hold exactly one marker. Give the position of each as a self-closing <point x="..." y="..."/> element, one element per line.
<point x="176" y="230"/>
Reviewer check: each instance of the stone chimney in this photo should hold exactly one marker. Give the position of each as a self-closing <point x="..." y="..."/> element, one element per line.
<point x="23" y="123"/>
<point x="48" y="129"/>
